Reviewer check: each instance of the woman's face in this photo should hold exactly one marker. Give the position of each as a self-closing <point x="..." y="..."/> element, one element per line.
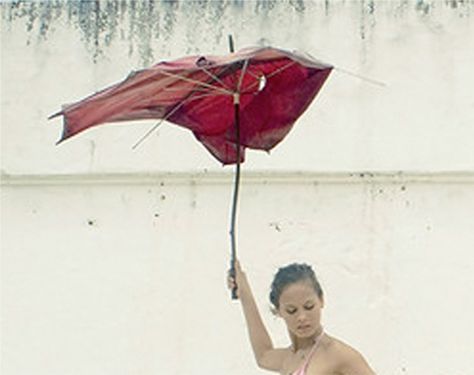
<point x="300" y="307"/>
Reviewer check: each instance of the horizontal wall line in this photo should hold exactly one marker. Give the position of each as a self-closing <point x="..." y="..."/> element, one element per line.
<point x="248" y="177"/>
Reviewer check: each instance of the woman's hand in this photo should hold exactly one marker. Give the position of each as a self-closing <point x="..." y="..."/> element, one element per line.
<point x="239" y="281"/>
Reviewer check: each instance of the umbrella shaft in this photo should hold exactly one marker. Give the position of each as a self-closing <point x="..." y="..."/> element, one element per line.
<point x="236" y="194"/>
<point x="236" y="184"/>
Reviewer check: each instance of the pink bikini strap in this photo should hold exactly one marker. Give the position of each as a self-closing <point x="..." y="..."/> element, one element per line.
<point x="315" y="346"/>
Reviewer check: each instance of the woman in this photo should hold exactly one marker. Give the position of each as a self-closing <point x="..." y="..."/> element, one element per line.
<point x="297" y="297"/>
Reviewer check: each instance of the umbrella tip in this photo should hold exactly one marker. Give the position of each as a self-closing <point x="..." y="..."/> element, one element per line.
<point x="55" y="115"/>
<point x="231" y="43"/>
<point x="60" y="140"/>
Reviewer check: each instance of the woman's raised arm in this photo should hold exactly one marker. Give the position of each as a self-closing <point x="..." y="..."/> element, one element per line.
<point x="266" y="355"/>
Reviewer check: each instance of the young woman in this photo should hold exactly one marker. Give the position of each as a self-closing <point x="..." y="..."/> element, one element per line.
<point x="297" y="297"/>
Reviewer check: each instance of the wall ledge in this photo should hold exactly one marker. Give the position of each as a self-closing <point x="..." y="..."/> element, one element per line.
<point x="248" y="177"/>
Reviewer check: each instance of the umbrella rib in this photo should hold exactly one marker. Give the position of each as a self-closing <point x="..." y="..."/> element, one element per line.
<point x="249" y="72"/>
<point x="370" y="80"/>
<point x="174" y="89"/>
<point x="216" y="78"/>
<point x="199" y="83"/>
<point x="241" y="78"/>
<point x="272" y="74"/>
<point x="281" y="69"/>
<point x="170" y="113"/>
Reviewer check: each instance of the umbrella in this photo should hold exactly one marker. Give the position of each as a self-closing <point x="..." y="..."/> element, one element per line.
<point x="246" y="99"/>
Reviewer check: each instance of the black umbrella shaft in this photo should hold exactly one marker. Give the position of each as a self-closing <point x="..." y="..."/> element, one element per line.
<point x="236" y="183"/>
<point x="236" y="194"/>
<point x="231" y="43"/>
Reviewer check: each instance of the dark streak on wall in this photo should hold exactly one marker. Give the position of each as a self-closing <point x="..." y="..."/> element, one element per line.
<point x="146" y="23"/>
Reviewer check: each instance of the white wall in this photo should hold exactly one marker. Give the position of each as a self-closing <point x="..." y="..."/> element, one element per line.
<point x="114" y="261"/>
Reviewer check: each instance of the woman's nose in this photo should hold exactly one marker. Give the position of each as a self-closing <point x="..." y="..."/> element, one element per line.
<point x="301" y="316"/>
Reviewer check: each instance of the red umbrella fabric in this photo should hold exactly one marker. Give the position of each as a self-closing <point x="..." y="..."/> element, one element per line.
<point x="272" y="88"/>
<point x="247" y="99"/>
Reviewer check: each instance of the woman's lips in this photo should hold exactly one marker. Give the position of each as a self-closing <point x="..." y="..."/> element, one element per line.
<point x="304" y="327"/>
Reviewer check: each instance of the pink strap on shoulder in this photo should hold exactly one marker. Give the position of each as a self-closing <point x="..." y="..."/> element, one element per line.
<point x="302" y="369"/>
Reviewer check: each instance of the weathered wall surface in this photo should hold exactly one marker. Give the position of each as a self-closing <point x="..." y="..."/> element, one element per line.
<point x="113" y="260"/>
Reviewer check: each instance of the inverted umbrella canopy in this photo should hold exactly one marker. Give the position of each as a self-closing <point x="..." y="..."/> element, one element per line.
<point x="272" y="87"/>
<point x="247" y="99"/>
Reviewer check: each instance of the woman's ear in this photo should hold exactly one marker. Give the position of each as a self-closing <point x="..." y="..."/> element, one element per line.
<point x="321" y="300"/>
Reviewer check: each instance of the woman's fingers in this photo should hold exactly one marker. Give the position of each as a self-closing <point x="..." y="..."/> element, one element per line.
<point x="231" y="282"/>
<point x="234" y="278"/>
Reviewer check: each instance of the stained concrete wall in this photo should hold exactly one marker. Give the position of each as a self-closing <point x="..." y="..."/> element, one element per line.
<point x="113" y="260"/>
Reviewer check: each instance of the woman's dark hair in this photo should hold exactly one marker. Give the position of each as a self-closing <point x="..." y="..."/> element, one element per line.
<point x="291" y="274"/>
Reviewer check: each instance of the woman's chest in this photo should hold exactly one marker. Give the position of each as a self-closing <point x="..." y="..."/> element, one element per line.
<point x="319" y="364"/>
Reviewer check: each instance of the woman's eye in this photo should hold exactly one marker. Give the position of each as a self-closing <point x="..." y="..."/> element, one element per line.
<point x="309" y="307"/>
<point x="291" y="312"/>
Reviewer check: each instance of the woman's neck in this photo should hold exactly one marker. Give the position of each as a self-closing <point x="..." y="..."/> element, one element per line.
<point x="307" y="342"/>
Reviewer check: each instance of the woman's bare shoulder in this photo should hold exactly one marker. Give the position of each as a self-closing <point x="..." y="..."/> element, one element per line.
<point x="347" y="359"/>
<point x="338" y="346"/>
